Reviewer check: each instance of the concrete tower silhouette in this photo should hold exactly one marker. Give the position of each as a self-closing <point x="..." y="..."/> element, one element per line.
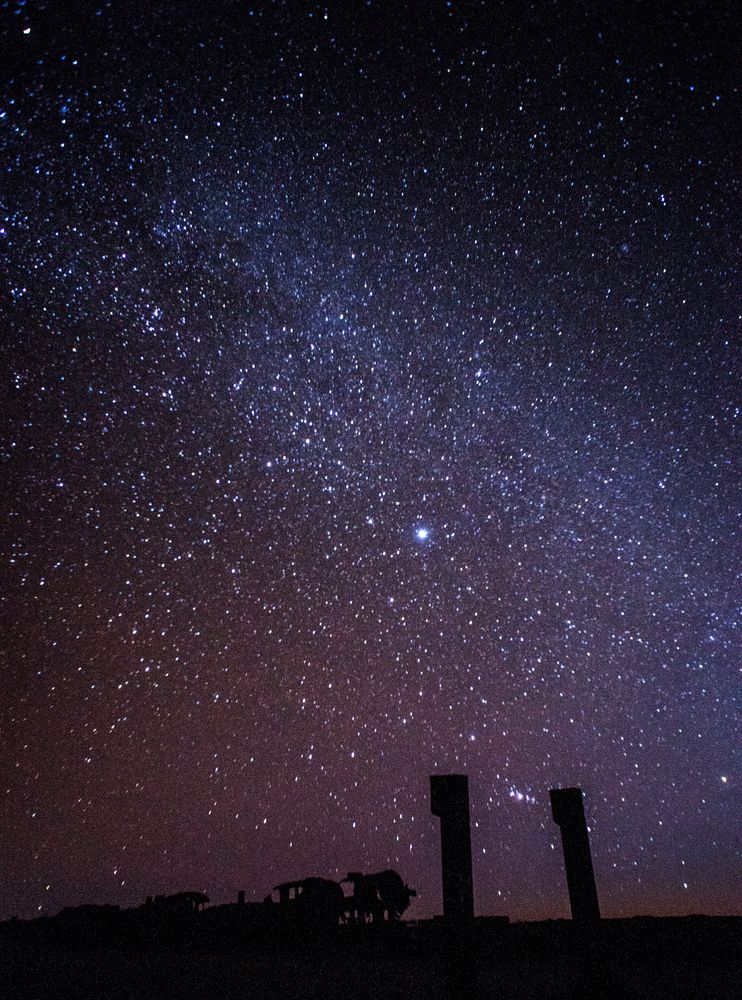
<point x="449" y="800"/>
<point x="569" y="814"/>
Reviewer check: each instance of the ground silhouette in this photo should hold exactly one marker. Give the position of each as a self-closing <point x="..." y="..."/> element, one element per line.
<point x="319" y="939"/>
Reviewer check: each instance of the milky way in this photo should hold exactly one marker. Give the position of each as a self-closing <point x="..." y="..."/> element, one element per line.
<point x="368" y="387"/>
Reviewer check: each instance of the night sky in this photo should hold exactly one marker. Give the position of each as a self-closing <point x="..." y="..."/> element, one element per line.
<point x="368" y="385"/>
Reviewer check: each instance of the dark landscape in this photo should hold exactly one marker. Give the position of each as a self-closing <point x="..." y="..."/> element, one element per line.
<point x="684" y="958"/>
<point x="312" y="939"/>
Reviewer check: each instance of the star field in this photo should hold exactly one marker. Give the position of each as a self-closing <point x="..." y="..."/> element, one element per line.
<point x="369" y="386"/>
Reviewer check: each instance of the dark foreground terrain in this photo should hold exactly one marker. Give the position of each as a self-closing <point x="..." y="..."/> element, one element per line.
<point x="693" y="958"/>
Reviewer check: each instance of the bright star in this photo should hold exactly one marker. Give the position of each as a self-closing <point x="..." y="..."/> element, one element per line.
<point x="422" y="534"/>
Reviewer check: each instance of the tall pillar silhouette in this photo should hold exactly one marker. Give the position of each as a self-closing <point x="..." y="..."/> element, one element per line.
<point x="449" y="800"/>
<point x="569" y="814"/>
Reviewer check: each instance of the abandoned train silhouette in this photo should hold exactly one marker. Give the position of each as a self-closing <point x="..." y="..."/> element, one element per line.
<point x="322" y="902"/>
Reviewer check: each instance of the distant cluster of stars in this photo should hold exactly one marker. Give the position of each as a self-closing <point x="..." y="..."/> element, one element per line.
<point x="369" y="399"/>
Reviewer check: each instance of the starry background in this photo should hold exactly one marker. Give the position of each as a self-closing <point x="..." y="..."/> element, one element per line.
<point x="367" y="390"/>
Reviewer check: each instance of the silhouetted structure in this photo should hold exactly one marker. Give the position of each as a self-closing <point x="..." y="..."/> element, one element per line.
<point x="180" y="902"/>
<point x="310" y="903"/>
<point x="569" y="814"/>
<point x="377" y="896"/>
<point x="449" y="800"/>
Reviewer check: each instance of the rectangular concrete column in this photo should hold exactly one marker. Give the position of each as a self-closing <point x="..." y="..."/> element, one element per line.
<point x="449" y="800"/>
<point x="568" y="812"/>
